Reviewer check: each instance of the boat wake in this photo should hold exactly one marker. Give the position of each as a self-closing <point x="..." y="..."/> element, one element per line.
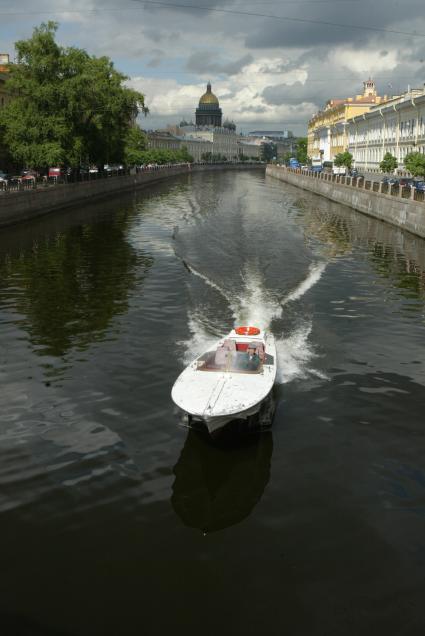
<point x="257" y="306"/>
<point x="207" y="281"/>
<point x="314" y="274"/>
<point x="295" y="354"/>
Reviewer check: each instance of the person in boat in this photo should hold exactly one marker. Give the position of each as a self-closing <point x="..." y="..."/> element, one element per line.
<point x="253" y="360"/>
<point x="248" y="360"/>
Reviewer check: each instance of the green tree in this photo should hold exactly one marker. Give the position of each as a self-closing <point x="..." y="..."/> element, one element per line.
<point x="268" y="151"/>
<point x="344" y="159"/>
<point x="135" y="145"/>
<point x="414" y="162"/>
<point x="67" y="106"/>
<point x="302" y="150"/>
<point x="161" y="156"/>
<point x="286" y="157"/>
<point x="183" y="155"/>
<point x="389" y="163"/>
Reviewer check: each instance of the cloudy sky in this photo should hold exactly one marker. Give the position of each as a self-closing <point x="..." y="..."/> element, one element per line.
<point x="272" y="63"/>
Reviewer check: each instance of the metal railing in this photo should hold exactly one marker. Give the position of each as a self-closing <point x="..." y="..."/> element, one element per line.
<point x="21" y="183"/>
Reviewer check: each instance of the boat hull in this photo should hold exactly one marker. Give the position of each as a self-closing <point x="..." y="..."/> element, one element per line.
<point x="247" y="418"/>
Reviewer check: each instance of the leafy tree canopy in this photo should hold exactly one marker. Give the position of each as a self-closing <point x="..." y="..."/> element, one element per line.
<point x="344" y="159"/>
<point x="161" y="156"/>
<point x="389" y="163"/>
<point x="415" y="164"/>
<point x="268" y="151"/>
<point x="302" y="150"/>
<point x="135" y="146"/>
<point x="68" y="107"/>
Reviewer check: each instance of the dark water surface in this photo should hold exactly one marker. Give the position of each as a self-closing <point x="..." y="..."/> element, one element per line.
<point x="114" y="519"/>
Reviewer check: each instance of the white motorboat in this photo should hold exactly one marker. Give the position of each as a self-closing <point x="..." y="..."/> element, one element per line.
<point x="230" y="381"/>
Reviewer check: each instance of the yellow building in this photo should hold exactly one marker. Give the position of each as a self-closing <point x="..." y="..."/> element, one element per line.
<point x="327" y="130"/>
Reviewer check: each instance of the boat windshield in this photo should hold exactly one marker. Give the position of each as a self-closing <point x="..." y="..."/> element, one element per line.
<point x="245" y="358"/>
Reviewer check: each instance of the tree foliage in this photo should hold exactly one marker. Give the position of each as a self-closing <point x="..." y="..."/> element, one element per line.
<point x="216" y="157"/>
<point x="268" y="151"/>
<point x="389" y="163"/>
<point x="302" y="150"/>
<point x="414" y="162"/>
<point x="135" y="146"/>
<point x="161" y="156"/>
<point x="344" y="159"/>
<point x="68" y="107"/>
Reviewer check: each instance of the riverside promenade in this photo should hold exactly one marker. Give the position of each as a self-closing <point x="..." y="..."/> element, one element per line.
<point x="400" y="206"/>
<point x="39" y="199"/>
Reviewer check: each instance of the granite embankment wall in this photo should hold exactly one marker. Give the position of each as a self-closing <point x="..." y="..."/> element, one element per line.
<point x="21" y="206"/>
<point x="407" y="214"/>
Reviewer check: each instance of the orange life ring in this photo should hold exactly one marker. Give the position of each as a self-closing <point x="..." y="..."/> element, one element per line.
<point x="247" y="331"/>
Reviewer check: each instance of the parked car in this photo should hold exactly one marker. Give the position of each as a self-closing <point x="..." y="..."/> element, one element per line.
<point x="3" y="178"/>
<point x="390" y="181"/>
<point x="109" y="169"/>
<point x="339" y="170"/>
<point x="419" y="185"/>
<point x="28" y="175"/>
<point x="57" y="173"/>
<point x="406" y="181"/>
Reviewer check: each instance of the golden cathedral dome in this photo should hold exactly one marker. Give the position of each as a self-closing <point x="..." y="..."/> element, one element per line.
<point x="208" y="97"/>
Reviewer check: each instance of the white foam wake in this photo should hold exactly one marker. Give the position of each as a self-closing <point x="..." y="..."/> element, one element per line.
<point x="255" y="305"/>
<point x="208" y="281"/>
<point x="198" y="342"/>
<point x="295" y="355"/>
<point x="315" y="272"/>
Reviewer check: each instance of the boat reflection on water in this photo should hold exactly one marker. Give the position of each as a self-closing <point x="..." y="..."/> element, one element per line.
<point x="217" y="486"/>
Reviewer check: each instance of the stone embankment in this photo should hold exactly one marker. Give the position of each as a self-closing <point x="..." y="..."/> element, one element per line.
<point x="32" y="202"/>
<point x="403" y="207"/>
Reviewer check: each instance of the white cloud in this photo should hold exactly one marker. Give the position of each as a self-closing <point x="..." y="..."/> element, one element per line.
<point x="368" y="62"/>
<point x="240" y="96"/>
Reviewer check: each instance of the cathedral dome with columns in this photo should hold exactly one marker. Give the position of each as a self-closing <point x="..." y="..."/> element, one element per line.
<point x="208" y="112"/>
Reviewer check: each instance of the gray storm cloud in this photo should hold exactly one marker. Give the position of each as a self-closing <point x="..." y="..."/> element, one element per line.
<point x="184" y="45"/>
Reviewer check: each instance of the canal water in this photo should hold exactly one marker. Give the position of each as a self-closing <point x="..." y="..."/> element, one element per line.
<point x="114" y="518"/>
